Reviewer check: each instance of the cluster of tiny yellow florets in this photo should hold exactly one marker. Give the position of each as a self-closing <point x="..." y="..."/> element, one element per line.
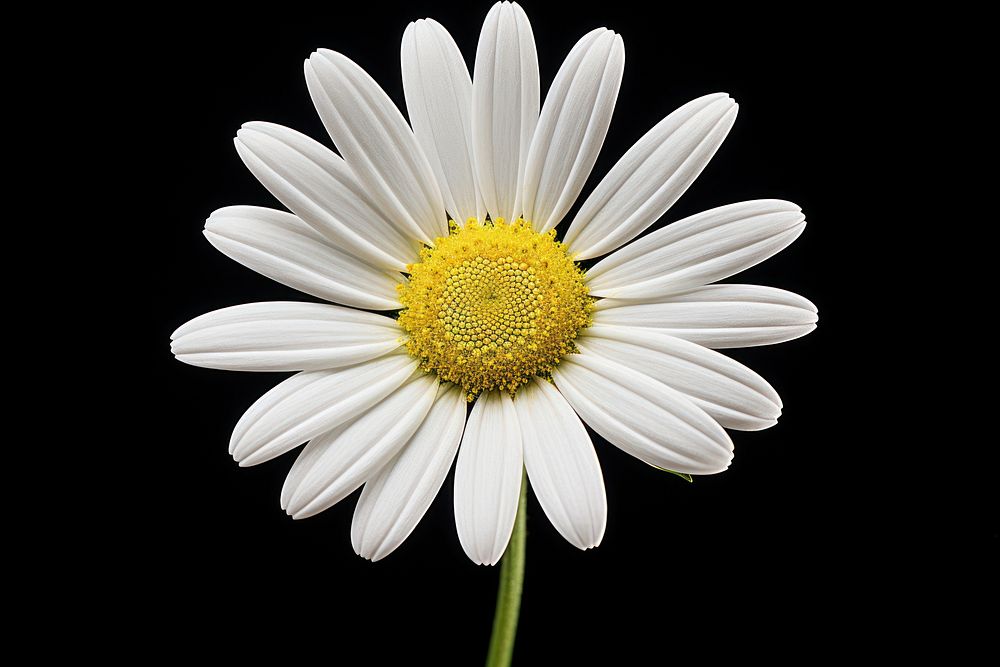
<point x="492" y="305"/>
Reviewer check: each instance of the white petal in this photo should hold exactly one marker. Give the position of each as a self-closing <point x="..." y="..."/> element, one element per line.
<point x="312" y="453"/>
<point x="283" y="248"/>
<point x="337" y="463"/>
<point x="377" y="143"/>
<point x="561" y="464"/>
<point x="718" y="316"/>
<point x="651" y="176"/>
<point x="305" y="461"/>
<point x="727" y="390"/>
<point x="284" y="336"/>
<point x="488" y="478"/>
<point x="313" y="402"/>
<point x="505" y="99"/>
<point x="319" y="187"/>
<point x="698" y="250"/>
<point x="572" y="128"/>
<point x="395" y="499"/>
<point x="438" y="93"/>
<point x="642" y="416"/>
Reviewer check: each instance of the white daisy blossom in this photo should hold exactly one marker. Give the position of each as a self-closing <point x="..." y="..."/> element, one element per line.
<point x="491" y="308"/>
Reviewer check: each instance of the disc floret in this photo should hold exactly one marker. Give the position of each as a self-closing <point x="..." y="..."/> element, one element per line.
<point x="492" y="305"/>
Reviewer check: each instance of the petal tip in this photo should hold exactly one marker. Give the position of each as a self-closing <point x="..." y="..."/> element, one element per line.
<point x="376" y="555"/>
<point x="249" y="459"/>
<point x="243" y="462"/>
<point x="588" y="544"/>
<point x="297" y="511"/>
<point x="328" y="57"/>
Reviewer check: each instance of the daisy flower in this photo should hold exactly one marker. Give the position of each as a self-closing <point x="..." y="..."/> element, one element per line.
<point x="447" y="225"/>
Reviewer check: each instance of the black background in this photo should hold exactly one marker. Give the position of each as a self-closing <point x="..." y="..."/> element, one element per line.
<point x="789" y="527"/>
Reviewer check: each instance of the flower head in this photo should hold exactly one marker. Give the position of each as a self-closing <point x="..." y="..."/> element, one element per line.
<point x="451" y="229"/>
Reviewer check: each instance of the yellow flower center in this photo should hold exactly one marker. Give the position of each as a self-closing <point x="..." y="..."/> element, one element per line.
<point x="492" y="305"/>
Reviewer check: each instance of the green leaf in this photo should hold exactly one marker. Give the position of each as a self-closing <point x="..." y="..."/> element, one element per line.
<point x="683" y="475"/>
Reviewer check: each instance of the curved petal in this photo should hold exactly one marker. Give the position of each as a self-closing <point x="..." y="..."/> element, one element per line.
<point x="718" y="316"/>
<point x="727" y="390"/>
<point x="698" y="250"/>
<point x="651" y="176"/>
<point x="284" y="336"/>
<point x="335" y="464"/>
<point x="313" y="402"/>
<point x="505" y="100"/>
<point x="285" y="249"/>
<point x="438" y="92"/>
<point x="642" y="416"/>
<point x="319" y="187"/>
<point x="395" y="499"/>
<point x="488" y="478"/>
<point x="561" y="464"/>
<point x="377" y="143"/>
<point x="572" y="128"/>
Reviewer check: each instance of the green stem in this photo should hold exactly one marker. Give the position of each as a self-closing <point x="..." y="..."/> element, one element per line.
<point x="509" y="593"/>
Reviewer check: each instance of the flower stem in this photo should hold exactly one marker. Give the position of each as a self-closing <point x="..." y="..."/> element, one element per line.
<point x="509" y="593"/>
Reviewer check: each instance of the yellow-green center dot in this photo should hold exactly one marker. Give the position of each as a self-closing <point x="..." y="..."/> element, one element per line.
<point x="492" y="305"/>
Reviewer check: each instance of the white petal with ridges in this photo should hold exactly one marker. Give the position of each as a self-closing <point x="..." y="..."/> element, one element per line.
<point x="284" y="336"/>
<point x="561" y="464"/>
<point x="727" y="390"/>
<point x="505" y="101"/>
<point x="488" y="478"/>
<point x="396" y="498"/>
<point x="372" y="135"/>
<point x="651" y="176"/>
<point x="311" y="454"/>
<point x="305" y="460"/>
<point x="319" y="187"/>
<point x="285" y="249"/>
<point x="341" y="461"/>
<point x="314" y="402"/>
<point x="718" y="316"/>
<point x="572" y="127"/>
<point x="438" y="93"/>
<point x="642" y="416"/>
<point x="698" y="250"/>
